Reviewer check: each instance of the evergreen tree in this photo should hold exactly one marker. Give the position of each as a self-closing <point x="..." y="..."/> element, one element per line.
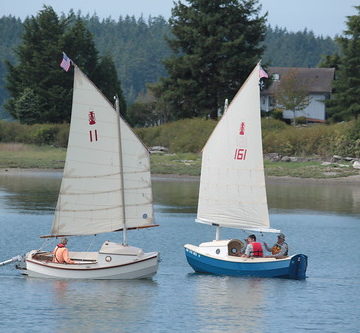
<point x="27" y="107"/>
<point x="296" y="49"/>
<point x="330" y="61"/>
<point x="10" y="32"/>
<point x="37" y="68"/>
<point x="105" y="75"/>
<point x="345" y="102"/>
<point x="39" y="56"/>
<point x="217" y="43"/>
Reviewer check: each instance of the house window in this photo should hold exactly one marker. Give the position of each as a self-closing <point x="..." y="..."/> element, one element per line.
<point x="275" y="77"/>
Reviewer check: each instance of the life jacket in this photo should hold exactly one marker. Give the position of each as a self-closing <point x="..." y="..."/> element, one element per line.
<point x="58" y="254"/>
<point x="257" y="250"/>
<point x="61" y="255"/>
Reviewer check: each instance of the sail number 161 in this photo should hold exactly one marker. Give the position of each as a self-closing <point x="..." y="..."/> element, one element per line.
<point x="240" y="154"/>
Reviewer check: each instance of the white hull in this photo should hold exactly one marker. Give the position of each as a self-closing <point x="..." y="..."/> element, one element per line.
<point x="112" y="262"/>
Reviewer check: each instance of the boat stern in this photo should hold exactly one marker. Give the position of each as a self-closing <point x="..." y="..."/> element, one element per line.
<point x="298" y="266"/>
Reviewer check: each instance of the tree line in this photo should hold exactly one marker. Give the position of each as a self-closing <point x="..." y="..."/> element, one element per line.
<point x="166" y="70"/>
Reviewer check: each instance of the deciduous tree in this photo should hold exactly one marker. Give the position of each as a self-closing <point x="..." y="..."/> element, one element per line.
<point x="292" y="93"/>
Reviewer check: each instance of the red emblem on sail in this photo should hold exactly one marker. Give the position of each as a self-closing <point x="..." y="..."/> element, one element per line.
<point x="92" y="119"/>
<point x="242" y="128"/>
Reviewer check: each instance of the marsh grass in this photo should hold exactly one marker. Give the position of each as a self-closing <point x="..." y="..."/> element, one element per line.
<point x="18" y="155"/>
<point x="178" y="164"/>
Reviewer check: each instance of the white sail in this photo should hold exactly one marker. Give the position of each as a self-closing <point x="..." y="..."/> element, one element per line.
<point x="232" y="185"/>
<point x="92" y="194"/>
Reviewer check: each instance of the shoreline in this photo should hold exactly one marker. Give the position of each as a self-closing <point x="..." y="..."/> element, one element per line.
<point x="354" y="179"/>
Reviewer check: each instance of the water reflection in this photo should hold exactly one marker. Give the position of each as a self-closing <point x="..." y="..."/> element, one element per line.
<point x="176" y="195"/>
<point x="329" y="197"/>
<point x="37" y="192"/>
<point x="235" y="304"/>
<point x="30" y="192"/>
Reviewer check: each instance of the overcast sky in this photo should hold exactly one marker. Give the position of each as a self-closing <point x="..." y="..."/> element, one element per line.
<point x="323" y="17"/>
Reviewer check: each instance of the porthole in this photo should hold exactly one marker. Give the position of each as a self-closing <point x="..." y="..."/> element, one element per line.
<point x="145" y="216"/>
<point x="217" y="251"/>
<point x="234" y="250"/>
<point x="108" y="258"/>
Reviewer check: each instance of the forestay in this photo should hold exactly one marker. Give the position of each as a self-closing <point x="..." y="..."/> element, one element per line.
<point x="92" y="194"/>
<point x="232" y="185"/>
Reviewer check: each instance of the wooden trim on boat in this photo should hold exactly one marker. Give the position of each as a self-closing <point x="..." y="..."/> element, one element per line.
<point x="131" y="228"/>
<point x="142" y="227"/>
<point x="88" y="269"/>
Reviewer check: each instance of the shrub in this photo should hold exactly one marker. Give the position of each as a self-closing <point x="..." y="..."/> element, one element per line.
<point x="44" y="134"/>
<point x="186" y="135"/>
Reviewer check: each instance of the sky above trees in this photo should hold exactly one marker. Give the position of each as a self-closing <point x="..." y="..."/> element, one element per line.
<point x="323" y="17"/>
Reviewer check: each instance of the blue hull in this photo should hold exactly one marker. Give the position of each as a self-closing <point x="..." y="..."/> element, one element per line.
<point x="293" y="268"/>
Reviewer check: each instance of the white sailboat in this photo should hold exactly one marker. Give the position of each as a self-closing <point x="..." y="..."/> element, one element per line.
<point x="233" y="194"/>
<point x="106" y="187"/>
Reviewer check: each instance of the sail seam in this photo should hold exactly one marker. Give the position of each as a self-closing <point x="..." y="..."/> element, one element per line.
<point x="103" y="192"/>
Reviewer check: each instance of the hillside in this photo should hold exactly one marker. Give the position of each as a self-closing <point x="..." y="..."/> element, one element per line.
<point x="138" y="47"/>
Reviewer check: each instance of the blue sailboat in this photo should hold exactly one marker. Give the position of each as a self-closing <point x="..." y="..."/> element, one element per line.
<point x="233" y="194"/>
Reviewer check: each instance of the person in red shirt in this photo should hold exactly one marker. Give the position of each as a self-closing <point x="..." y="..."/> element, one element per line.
<point x="61" y="253"/>
<point x="253" y="248"/>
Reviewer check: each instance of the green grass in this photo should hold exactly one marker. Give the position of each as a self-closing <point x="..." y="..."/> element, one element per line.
<point x="312" y="169"/>
<point x="178" y="164"/>
<point x="46" y="157"/>
<point x="17" y="155"/>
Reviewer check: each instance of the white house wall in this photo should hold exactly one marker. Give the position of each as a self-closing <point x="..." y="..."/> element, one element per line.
<point x="315" y="110"/>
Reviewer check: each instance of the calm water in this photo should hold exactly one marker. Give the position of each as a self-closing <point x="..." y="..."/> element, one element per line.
<point x="319" y="220"/>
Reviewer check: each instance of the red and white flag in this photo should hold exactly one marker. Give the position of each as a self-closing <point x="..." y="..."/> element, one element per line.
<point x="65" y="63"/>
<point x="262" y="73"/>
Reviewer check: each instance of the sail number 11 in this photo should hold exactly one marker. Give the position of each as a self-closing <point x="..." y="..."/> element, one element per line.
<point x="240" y="154"/>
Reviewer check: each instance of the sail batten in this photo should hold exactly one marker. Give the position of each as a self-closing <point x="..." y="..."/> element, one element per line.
<point x="232" y="185"/>
<point x="96" y="181"/>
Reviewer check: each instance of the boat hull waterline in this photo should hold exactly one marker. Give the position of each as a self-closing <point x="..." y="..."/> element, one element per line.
<point x="292" y="267"/>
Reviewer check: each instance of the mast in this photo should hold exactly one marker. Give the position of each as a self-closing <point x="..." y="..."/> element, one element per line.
<point x="121" y="171"/>
<point x="217" y="233"/>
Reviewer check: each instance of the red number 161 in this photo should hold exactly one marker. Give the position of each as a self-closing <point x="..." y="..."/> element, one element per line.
<point x="240" y="154"/>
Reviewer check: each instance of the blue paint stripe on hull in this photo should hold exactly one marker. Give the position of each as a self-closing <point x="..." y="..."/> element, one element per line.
<point x="281" y="268"/>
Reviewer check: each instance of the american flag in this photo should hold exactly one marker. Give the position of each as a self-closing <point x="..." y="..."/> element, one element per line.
<point x="65" y="63"/>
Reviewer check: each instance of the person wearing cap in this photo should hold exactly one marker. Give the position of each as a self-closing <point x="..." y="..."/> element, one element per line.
<point x="253" y="248"/>
<point x="61" y="253"/>
<point x="280" y="249"/>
